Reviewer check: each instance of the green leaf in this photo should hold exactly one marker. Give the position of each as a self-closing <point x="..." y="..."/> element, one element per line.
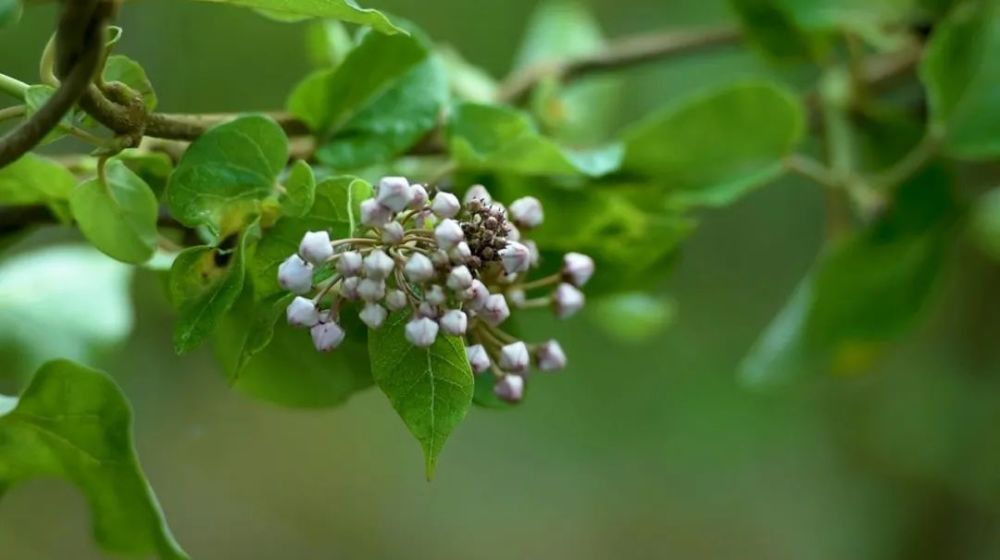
<point x="35" y="180"/>
<point x="632" y="317"/>
<point x="300" y="190"/>
<point x="337" y="209"/>
<point x="265" y="358"/>
<point x="960" y="69"/>
<point x="985" y="223"/>
<point x="226" y="172"/>
<point x="118" y="216"/>
<point x="466" y="81"/>
<point x="10" y="12"/>
<point x="204" y="283"/>
<point x="36" y="96"/>
<point x="329" y="42"/>
<point x="486" y="137"/>
<point x="771" y="25"/>
<point x="120" y="68"/>
<point x="344" y="10"/>
<point x="74" y="423"/>
<point x="430" y="388"/>
<point x="64" y="301"/>
<point x="865" y="291"/>
<point x="717" y="146"/>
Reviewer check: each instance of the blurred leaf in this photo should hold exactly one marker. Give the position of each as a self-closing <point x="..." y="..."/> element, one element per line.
<point x="120" y="68"/>
<point x="226" y="172"/>
<point x="63" y="301"/>
<point x="73" y="422"/>
<point x="204" y="283"/>
<point x="865" y="290"/>
<point x="119" y="216"/>
<point x="467" y="82"/>
<point x="715" y="147"/>
<point x="985" y="223"/>
<point x="344" y="10"/>
<point x="10" y="12"/>
<point x="36" y="180"/>
<point x="300" y="190"/>
<point x="632" y="316"/>
<point x="770" y="25"/>
<point x="337" y="209"/>
<point x="36" y="96"/>
<point x="329" y="42"/>
<point x="485" y="137"/>
<point x="960" y="69"/>
<point x="430" y="388"/>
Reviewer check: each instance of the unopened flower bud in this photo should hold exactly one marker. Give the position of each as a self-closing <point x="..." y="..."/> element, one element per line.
<point x="396" y="300"/>
<point x="378" y="265"/>
<point x="349" y="263"/>
<point x="419" y="268"/>
<point x="445" y="205"/>
<point x="371" y="289"/>
<point x="516" y="297"/>
<point x="516" y="258"/>
<point x="459" y="278"/>
<point x="550" y="356"/>
<point x="510" y="388"/>
<point x="533" y="251"/>
<point x="374" y="214"/>
<point x="440" y="259"/>
<point x="514" y="357"/>
<point x="454" y="322"/>
<point x="295" y="275"/>
<point x="478" y="192"/>
<point x="315" y="247"/>
<point x="448" y="234"/>
<point x="513" y="234"/>
<point x="478" y="358"/>
<point x="302" y="312"/>
<point x="421" y="332"/>
<point x="460" y="253"/>
<point x="427" y="309"/>
<point x="567" y="300"/>
<point x="327" y="336"/>
<point x="495" y="310"/>
<point x="373" y="315"/>
<point x="420" y="197"/>
<point x="394" y="193"/>
<point x="577" y="268"/>
<point x="349" y="288"/>
<point x="477" y="294"/>
<point x="392" y="233"/>
<point x="435" y="295"/>
<point x="527" y="212"/>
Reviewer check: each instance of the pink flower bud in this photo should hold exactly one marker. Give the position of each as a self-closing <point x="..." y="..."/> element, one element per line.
<point x="302" y="312"/>
<point x="327" y="336"/>
<point x="454" y="322"/>
<point x="495" y="310"/>
<point x="295" y="275"/>
<point x="374" y="214"/>
<point x="577" y="268"/>
<point x="567" y="300"/>
<point x="478" y="359"/>
<point x="477" y="294"/>
<point x="373" y="315"/>
<point x="315" y="247"/>
<point x="394" y="193"/>
<point x="527" y="212"/>
<point x="550" y="356"/>
<point x="514" y="357"/>
<point x="421" y="332"/>
<point x="510" y="388"/>
<point x="445" y="205"/>
<point x="419" y="197"/>
<point x="448" y="234"/>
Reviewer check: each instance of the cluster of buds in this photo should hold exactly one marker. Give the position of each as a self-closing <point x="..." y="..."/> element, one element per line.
<point x="457" y="267"/>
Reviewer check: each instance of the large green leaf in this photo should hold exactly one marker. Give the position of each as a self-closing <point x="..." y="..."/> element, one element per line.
<point x="35" y="180"/>
<point x="345" y="10"/>
<point x="865" y="290"/>
<point x="495" y="138"/>
<point x="63" y="301"/>
<point x="717" y="146"/>
<point x="10" y="12"/>
<point x="337" y="209"/>
<point x="961" y="70"/>
<point x="430" y="388"/>
<point x="118" y="215"/>
<point x="74" y="423"/>
<point x="204" y="283"/>
<point x="226" y="172"/>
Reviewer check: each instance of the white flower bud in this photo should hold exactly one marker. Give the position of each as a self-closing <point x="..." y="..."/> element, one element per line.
<point x="445" y="205"/>
<point x="567" y="300"/>
<point x="315" y="247"/>
<point x="392" y="233"/>
<point x="448" y="234"/>
<point x="427" y="309"/>
<point x="516" y="297"/>
<point x="419" y="268"/>
<point x="527" y="212"/>
<point x="514" y="357"/>
<point x="440" y="259"/>
<point x="349" y="263"/>
<point x="420" y="197"/>
<point x="421" y="332"/>
<point x="373" y="315"/>
<point x="513" y="234"/>
<point x="533" y="251"/>
<point x="349" y="288"/>
<point x="460" y="253"/>
<point x="325" y="316"/>
<point x="510" y="388"/>
<point x="478" y="359"/>
<point x="477" y="294"/>
<point x="577" y="268"/>
<point x="454" y="322"/>
<point x="478" y="192"/>
<point x="550" y="356"/>
<point x="378" y="265"/>
<point x="459" y="278"/>
<point x="435" y="295"/>
<point x="396" y="300"/>
<point x="374" y="214"/>
<point x="371" y="290"/>
<point x="495" y="310"/>
<point x="516" y="258"/>
<point x="327" y="336"/>
<point x="302" y="312"/>
<point x="295" y="275"/>
<point x="394" y="193"/>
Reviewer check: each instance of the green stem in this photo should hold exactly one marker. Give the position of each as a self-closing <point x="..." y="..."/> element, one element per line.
<point x="911" y="163"/>
<point x="12" y="86"/>
<point x="13" y="112"/>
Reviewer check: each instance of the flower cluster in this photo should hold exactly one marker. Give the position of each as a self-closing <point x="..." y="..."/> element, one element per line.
<point x="458" y="267"/>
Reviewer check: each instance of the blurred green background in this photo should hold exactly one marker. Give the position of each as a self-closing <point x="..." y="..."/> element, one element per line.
<point x="638" y="450"/>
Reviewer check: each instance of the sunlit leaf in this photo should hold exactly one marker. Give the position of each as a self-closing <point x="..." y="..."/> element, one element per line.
<point x="35" y="180"/>
<point x="344" y="10"/>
